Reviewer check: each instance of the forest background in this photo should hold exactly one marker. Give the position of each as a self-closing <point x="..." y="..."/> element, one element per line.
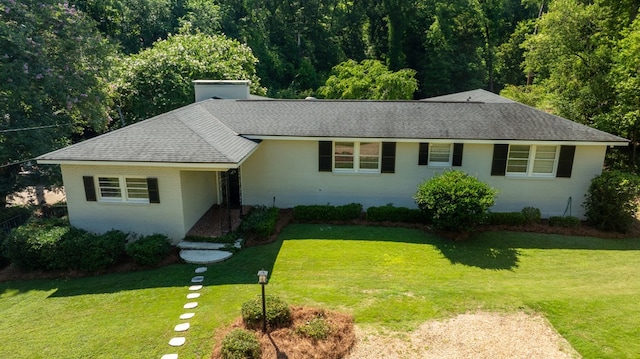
<point x="72" y="70"/>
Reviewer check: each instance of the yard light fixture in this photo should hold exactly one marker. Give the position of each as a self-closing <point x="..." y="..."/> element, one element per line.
<point x="262" y="279"/>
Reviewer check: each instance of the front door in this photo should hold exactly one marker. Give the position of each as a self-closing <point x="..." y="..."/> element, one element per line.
<point x="230" y="188"/>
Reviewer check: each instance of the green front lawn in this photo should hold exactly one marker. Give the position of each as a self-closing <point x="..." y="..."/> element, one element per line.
<point x="388" y="277"/>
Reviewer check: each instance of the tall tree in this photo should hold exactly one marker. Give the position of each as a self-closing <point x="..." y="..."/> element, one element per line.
<point x="159" y="79"/>
<point x="52" y="84"/>
<point x="370" y="80"/>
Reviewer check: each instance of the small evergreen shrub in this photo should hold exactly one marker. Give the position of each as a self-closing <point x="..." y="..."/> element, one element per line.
<point x="21" y="213"/>
<point x="531" y="215"/>
<point x="567" y="222"/>
<point x="454" y="200"/>
<point x="610" y="201"/>
<point x="149" y="250"/>
<point x="240" y="344"/>
<point x="327" y="212"/>
<point x="278" y="312"/>
<point x="316" y="329"/>
<point x="4" y="260"/>
<point x="395" y="214"/>
<point x="506" y="218"/>
<point x="260" y="222"/>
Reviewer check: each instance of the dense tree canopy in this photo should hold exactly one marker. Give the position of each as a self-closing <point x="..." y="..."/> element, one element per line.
<point x="51" y="86"/>
<point x="159" y="79"/>
<point x="370" y="80"/>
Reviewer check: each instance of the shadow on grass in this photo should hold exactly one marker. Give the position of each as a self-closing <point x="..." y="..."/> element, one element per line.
<point x="488" y="250"/>
<point x="242" y="268"/>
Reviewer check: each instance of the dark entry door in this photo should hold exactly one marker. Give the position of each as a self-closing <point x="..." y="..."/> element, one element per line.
<point x="231" y="188"/>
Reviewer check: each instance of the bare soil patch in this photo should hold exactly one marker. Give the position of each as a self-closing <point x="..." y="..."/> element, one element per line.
<point x="480" y="335"/>
<point x="286" y="343"/>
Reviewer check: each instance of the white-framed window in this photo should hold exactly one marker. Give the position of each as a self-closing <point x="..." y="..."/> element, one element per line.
<point x="362" y="157"/>
<point x="123" y="189"/>
<point x="440" y="154"/>
<point x="532" y="160"/>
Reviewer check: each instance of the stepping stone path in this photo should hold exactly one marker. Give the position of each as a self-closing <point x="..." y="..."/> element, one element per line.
<point x="205" y="252"/>
<point x="184" y="326"/>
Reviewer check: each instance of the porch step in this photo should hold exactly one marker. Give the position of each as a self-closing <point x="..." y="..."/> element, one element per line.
<point x="200" y="245"/>
<point x="204" y="256"/>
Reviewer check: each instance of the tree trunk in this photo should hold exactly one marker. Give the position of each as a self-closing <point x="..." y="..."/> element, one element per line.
<point x="40" y="200"/>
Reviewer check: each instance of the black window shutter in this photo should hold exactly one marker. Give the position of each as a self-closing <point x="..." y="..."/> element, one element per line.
<point x="89" y="188"/>
<point x="325" y="149"/>
<point x="565" y="161"/>
<point x="499" y="163"/>
<point x="152" y="188"/>
<point x="423" y="154"/>
<point x="457" y="154"/>
<point x="388" y="157"/>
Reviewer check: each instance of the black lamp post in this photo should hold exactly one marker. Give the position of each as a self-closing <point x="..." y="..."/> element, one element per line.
<point x="262" y="279"/>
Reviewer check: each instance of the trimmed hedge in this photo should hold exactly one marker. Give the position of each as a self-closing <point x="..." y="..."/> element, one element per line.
<point x="149" y="250"/>
<point x="260" y="222"/>
<point x="396" y="214"/>
<point x="327" y="212"/>
<point x="567" y="222"/>
<point x="53" y="244"/>
<point x="506" y="218"/>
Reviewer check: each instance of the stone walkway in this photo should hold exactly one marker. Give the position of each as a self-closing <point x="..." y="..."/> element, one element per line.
<point x="180" y="329"/>
<point x="205" y="252"/>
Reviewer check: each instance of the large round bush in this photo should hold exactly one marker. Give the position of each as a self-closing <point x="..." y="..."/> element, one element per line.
<point x="611" y="201"/>
<point x="454" y="200"/>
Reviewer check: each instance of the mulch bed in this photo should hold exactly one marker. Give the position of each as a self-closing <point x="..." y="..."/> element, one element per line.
<point x="286" y="343"/>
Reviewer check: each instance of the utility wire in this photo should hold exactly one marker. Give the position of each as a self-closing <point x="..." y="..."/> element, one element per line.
<point x="16" y="163"/>
<point x="28" y="128"/>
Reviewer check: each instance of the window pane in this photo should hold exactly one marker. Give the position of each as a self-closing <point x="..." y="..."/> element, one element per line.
<point x="440" y="152"/>
<point x="109" y="187"/>
<point x="137" y="188"/>
<point x="545" y="159"/>
<point x="369" y="155"/>
<point x="343" y="155"/>
<point x="518" y="159"/>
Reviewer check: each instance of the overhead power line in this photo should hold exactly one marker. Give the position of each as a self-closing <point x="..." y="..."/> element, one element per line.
<point x="28" y="128"/>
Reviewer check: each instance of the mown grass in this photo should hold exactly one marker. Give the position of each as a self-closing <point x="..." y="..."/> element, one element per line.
<point x="394" y="278"/>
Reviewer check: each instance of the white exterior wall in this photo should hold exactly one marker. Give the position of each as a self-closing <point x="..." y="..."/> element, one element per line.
<point x="288" y="171"/>
<point x="182" y="196"/>
<point x="199" y="192"/>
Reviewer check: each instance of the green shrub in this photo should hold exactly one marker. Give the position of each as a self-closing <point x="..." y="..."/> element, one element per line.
<point x="149" y="250"/>
<point x="278" y="312"/>
<point x="4" y="260"/>
<point x="88" y="252"/>
<point x="506" y="218"/>
<point x="240" y="344"/>
<point x="395" y="214"/>
<point x="317" y="328"/>
<point x="567" y="222"/>
<point x="35" y="245"/>
<point x="531" y="215"/>
<point x="19" y="212"/>
<point x="52" y="244"/>
<point x="261" y="222"/>
<point x="454" y="200"/>
<point x="610" y="201"/>
<point x="327" y="212"/>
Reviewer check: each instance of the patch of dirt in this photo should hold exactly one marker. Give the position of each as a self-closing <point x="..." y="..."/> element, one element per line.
<point x="286" y="343"/>
<point x="480" y="335"/>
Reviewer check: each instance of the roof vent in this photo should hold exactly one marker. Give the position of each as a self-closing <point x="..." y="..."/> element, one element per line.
<point x="310" y="98"/>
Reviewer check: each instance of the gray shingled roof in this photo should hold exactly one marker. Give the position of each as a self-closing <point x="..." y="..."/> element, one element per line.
<point x="216" y="131"/>
<point x="478" y="95"/>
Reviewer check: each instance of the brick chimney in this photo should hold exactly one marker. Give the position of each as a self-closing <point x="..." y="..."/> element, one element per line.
<point x="221" y="89"/>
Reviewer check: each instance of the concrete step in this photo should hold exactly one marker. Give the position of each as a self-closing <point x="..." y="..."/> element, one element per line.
<point x="200" y="245"/>
<point x="204" y="256"/>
